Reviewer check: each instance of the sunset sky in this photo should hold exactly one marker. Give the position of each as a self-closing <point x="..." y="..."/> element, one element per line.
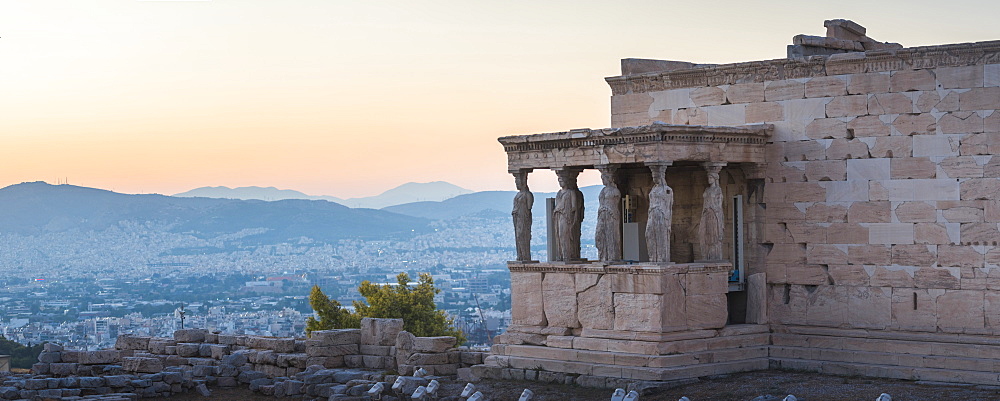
<point x="350" y="98"/>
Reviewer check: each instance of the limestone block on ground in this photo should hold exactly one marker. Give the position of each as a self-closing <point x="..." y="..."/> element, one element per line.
<point x="286" y="345"/>
<point x="337" y="337"/>
<point x="130" y="342"/>
<point x="50" y="357"/>
<point x="142" y="365"/>
<point x="63" y="369"/>
<point x="559" y="292"/>
<point x="159" y="345"/>
<point x="333" y="350"/>
<point x="188" y="349"/>
<point x="99" y="357"/>
<point x="378" y="350"/>
<point x="380" y="331"/>
<point x="433" y="344"/>
<point x="190" y="335"/>
<point x="421" y="359"/>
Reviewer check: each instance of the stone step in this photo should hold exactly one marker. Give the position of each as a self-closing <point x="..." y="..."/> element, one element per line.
<point x="634" y="372"/>
<point x="894" y="346"/>
<point x="887" y="371"/>
<point x="886" y="358"/>
<point x="667" y="347"/>
<point x="636" y="360"/>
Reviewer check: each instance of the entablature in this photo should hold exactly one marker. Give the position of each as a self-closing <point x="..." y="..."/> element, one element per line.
<point x="655" y="143"/>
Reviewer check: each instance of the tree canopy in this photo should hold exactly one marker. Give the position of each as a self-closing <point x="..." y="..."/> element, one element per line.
<point x="414" y="304"/>
<point x="20" y="356"/>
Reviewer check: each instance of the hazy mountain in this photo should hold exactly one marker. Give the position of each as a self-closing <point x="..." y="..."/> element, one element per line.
<point x="501" y="201"/>
<point x="37" y="208"/>
<point x="248" y="193"/>
<point x="406" y="193"/>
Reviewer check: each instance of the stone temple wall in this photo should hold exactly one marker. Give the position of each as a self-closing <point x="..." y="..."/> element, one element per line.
<point x="880" y="207"/>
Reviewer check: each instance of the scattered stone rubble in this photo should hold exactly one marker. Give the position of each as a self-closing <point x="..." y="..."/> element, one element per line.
<point x="332" y="364"/>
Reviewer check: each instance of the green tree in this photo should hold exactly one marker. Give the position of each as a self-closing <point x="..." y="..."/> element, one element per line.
<point x="331" y="314"/>
<point x="20" y="356"/>
<point x="414" y="304"/>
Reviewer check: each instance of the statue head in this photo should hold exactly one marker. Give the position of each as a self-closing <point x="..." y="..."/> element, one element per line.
<point x="608" y="175"/>
<point x="521" y="180"/>
<point x="567" y="178"/>
<point x="659" y="174"/>
<point x="713" y="179"/>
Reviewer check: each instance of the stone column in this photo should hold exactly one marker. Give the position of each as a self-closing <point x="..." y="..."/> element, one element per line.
<point x="608" y="237"/>
<point x="661" y="205"/>
<point x="568" y="214"/>
<point x="711" y="229"/>
<point x="522" y="214"/>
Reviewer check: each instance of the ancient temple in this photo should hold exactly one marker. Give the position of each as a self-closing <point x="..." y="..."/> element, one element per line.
<point x="832" y="211"/>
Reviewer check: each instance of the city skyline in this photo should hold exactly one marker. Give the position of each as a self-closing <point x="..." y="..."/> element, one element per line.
<point x="349" y="100"/>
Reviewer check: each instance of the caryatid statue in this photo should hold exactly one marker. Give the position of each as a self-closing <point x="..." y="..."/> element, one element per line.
<point x="712" y="220"/>
<point x="522" y="215"/>
<point x="660" y="215"/>
<point x="608" y="237"/>
<point x="568" y="214"/>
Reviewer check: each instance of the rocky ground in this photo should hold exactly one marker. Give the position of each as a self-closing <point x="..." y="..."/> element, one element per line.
<point x="755" y="386"/>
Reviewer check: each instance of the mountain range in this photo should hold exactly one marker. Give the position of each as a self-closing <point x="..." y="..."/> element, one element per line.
<point x="36" y="208"/>
<point x="406" y="193"/>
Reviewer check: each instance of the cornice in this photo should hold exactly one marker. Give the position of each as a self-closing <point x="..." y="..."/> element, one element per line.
<point x="953" y="55"/>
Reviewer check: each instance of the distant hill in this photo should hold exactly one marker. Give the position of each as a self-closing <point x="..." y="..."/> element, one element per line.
<point x="249" y="193"/>
<point x="406" y="193"/>
<point x="38" y="208"/>
<point x="501" y="201"/>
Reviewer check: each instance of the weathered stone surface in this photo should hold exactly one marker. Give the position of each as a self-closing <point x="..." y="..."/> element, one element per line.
<point x="745" y="93"/>
<point x="380" y="331"/>
<point x="868" y="83"/>
<point x="433" y="344"/>
<point x="961" y="311"/>
<point x="99" y="357"/>
<point x="190" y="335"/>
<point x="130" y="342"/>
<point x="915" y="124"/>
<point x="960" y="77"/>
<point x="847" y="106"/>
<point x="559" y="291"/>
<point x="142" y="365"/>
<point x="337" y="337"/>
<point x="783" y="90"/>
<point x="595" y="305"/>
<point x="756" y="299"/>
<point x="527" y="307"/>
<point x="826" y="87"/>
<point x="912" y="167"/>
<point x="708" y="96"/>
<point x="911" y="80"/>
<point x="869" y="307"/>
<point x="705" y="311"/>
<point x="889" y="103"/>
<point x="869" y="126"/>
<point x="637" y="312"/>
<point x="913" y="212"/>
